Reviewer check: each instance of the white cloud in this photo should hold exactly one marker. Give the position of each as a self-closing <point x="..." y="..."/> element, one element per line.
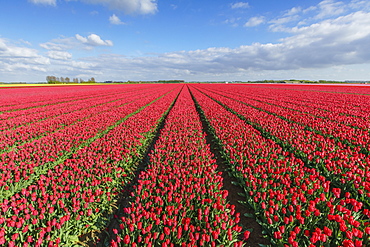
<point x="232" y="21"/>
<point x="59" y="55"/>
<point x="360" y="4"/>
<point x="60" y="44"/>
<point x="342" y="31"/>
<point x="326" y="9"/>
<point x="82" y="65"/>
<point x="329" y="8"/>
<point x="283" y="20"/>
<point x="335" y="46"/>
<point x="46" y="2"/>
<point x="15" y="59"/>
<point x="128" y="6"/>
<point x="93" y="40"/>
<point x="278" y="25"/>
<point x="289" y="16"/>
<point x="12" y="51"/>
<point x="75" y="43"/>
<point x="240" y="5"/>
<point x="115" y="20"/>
<point x="255" y="21"/>
<point x="309" y="9"/>
<point x="80" y="38"/>
<point x="293" y="11"/>
<point x="25" y="42"/>
<point x="336" y="42"/>
<point x="3" y="46"/>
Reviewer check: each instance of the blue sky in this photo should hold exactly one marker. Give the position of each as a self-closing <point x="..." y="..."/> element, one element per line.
<point x="184" y="39"/>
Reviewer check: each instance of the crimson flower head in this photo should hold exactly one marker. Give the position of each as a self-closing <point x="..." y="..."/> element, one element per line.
<point x="246" y="235"/>
<point x="327" y="231"/>
<point x="126" y="239"/>
<point x="348" y="243"/>
<point x="167" y="230"/>
<point x="113" y="243"/>
<point x="336" y="192"/>
<point x="278" y="235"/>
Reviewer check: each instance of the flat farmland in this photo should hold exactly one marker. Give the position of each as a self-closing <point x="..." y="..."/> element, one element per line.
<point x="185" y="165"/>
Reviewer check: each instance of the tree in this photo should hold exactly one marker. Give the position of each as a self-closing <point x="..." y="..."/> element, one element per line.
<point x="91" y="80"/>
<point x="51" y="79"/>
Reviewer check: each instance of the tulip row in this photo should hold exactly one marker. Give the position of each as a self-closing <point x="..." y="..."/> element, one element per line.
<point x="345" y="166"/>
<point x="23" y="99"/>
<point x="339" y="100"/>
<point x="17" y="116"/>
<point x="63" y="170"/>
<point x="348" y="110"/>
<point x="330" y="122"/>
<point x="340" y="103"/>
<point x="295" y="204"/>
<point x="76" y="196"/>
<point x="52" y="120"/>
<point x="18" y="103"/>
<point x="25" y="163"/>
<point x="179" y="200"/>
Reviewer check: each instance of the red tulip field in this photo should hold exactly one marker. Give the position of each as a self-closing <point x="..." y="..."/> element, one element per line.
<point x="150" y="164"/>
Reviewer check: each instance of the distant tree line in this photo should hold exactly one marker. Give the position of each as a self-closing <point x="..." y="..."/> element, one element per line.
<point x="295" y="81"/>
<point x="64" y="80"/>
<point x="159" y="81"/>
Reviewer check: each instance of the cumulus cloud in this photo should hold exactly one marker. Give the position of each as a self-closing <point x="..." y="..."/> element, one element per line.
<point x="11" y="51"/>
<point x="86" y="66"/>
<point x="360" y="4"/>
<point x="300" y="16"/>
<point x="232" y="21"/>
<point x="293" y="11"/>
<point x="16" y="59"/>
<point x="45" y="2"/>
<point x="338" y="42"/>
<point x="115" y="20"/>
<point x="329" y="43"/>
<point x="60" y="44"/>
<point x="340" y="32"/>
<point x="59" y="55"/>
<point x="279" y="24"/>
<point x="93" y="40"/>
<point x="289" y="16"/>
<point x="128" y="6"/>
<point x="77" y="42"/>
<point x="255" y="21"/>
<point x="324" y="10"/>
<point x="240" y="5"/>
<point x="330" y="8"/>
